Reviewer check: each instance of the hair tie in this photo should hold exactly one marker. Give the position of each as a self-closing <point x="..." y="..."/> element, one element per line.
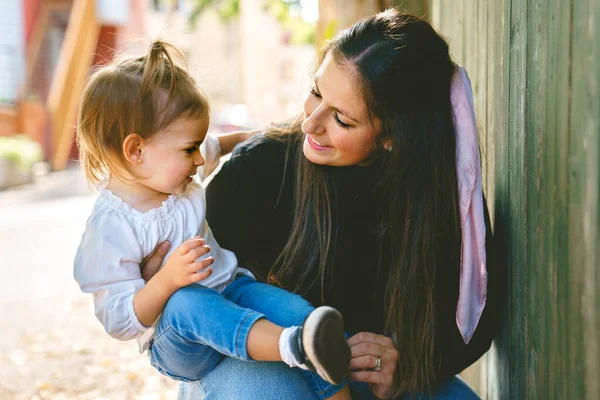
<point x="157" y="45"/>
<point x="473" y="272"/>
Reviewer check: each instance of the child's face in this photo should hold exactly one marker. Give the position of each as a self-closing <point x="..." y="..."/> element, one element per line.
<point x="172" y="156"/>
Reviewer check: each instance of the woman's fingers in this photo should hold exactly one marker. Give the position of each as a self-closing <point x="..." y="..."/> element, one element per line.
<point x="366" y="376"/>
<point x="152" y="263"/>
<point x="362" y="369"/>
<point x="362" y="337"/>
<point x="366" y="349"/>
<point x="363" y="362"/>
<point x="362" y="349"/>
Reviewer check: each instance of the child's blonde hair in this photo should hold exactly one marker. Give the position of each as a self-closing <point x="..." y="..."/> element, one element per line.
<point x="133" y="95"/>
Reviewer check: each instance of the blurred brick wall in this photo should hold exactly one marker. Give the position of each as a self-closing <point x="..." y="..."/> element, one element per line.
<point x="30" y="10"/>
<point x="8" y="120"/>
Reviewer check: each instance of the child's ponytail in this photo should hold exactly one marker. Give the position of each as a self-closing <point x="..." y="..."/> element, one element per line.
<point x="156" y="71"/>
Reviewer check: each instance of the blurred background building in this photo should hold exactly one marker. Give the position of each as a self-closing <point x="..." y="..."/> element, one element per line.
<point x="247" y="62"/>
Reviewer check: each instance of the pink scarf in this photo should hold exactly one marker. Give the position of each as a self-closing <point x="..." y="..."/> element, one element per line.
<point x="473" y="273"/>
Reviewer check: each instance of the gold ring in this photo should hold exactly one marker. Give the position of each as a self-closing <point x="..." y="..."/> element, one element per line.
<point x="377" y="364"/>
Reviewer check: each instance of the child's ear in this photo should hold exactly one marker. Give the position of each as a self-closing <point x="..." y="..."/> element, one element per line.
<point x="133" y="148"/>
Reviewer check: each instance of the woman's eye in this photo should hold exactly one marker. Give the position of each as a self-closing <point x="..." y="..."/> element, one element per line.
<point x="339" y="122"/>
<point x="314" y="92"/>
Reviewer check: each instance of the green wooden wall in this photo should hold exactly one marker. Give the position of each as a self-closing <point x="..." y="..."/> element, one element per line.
<point x="535" y="69"/>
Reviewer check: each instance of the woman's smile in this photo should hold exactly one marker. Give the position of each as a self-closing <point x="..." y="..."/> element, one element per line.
<point x="317" y="145"/>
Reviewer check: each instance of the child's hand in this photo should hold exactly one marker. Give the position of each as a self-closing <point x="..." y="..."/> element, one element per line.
<point x="182" y="269"/>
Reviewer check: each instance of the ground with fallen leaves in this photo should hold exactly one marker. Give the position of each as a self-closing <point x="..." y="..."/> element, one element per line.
<point x="52" y="346"/>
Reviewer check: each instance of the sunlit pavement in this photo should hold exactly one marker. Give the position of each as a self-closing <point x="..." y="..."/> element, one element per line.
<point x="52" y="346"/>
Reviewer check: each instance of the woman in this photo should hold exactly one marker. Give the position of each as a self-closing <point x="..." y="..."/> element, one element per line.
<point x="359" y="205"/>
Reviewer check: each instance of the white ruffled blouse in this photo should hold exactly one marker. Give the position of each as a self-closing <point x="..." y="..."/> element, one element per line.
<point x="118" y="237"/>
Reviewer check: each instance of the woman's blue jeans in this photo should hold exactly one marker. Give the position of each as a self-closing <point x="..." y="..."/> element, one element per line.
<point x="236" y="380"/>
<point x="200" y="327"/>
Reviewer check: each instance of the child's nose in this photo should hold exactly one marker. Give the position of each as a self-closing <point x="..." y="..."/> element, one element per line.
<point x="199" y="161"/>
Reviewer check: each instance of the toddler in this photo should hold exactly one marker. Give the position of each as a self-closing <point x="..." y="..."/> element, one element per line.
<point x="142" y="124"/>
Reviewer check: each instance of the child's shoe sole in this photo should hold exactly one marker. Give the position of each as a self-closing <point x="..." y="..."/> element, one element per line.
<point x="324" y="344"/>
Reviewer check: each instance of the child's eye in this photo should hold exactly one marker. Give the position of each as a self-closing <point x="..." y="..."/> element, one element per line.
<point x="191" y="150"/>
<point x="314" y="92"/>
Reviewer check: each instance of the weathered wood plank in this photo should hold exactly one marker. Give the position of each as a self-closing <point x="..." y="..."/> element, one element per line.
<point x="415" y="7"/>
<point x="452" y="28"/>
<point x="434" y="14"/>
<point x="498" y="19"/>
<point x="518" y="243"/>
<point x="584" y="145"/>
<point x="556" y="198"/>
<point x="482" y="93"/>
<point x="537" y="300"/>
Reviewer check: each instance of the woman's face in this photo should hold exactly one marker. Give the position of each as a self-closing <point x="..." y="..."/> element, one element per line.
<point x="336" y="123"/>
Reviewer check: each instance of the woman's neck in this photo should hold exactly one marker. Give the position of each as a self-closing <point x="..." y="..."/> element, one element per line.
<point x="138" y="196"/>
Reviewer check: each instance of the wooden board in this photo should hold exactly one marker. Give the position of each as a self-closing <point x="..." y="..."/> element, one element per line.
<point x="536" y="75"/>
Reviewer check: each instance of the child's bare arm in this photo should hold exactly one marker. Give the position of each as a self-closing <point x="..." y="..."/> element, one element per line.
<point x="229" y="140"/>
<point x="181" y="269"/>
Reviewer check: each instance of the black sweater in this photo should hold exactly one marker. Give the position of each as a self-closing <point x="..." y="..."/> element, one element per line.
<point x="250" y="211"/>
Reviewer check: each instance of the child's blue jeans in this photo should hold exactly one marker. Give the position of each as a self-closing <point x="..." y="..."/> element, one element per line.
<point x="200" y="326"/>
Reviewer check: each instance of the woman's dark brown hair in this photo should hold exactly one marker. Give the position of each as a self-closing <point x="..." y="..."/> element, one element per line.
<point x="404" y="70"/>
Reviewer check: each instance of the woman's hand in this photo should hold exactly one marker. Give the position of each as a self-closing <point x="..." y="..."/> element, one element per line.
<point x="366" y="347"/>
<point x="151" y="264"/>
<point x="228" y="141"/>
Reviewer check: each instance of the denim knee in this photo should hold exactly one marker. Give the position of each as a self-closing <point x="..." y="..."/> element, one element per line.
<point x="170" y="355"/>
<point x="182" y="303"/>
<point x="234" y="379"/>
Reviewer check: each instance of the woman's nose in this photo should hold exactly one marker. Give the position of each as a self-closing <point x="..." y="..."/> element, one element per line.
<point x="313" y="121"/>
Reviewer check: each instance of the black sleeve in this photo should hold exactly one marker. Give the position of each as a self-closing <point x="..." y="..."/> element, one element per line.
<point x="455" y="354"/>
<point x="242" y="206"/>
